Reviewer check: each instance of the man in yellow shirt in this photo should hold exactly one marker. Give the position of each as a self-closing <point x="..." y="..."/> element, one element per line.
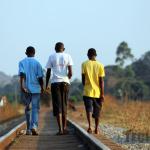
<point x="93" y="95"/>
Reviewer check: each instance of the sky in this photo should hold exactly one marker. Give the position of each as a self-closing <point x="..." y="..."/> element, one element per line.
<point x="79" y="24"/>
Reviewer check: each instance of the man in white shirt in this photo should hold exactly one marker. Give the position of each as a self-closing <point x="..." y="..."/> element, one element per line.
<point x="60" y="64"/>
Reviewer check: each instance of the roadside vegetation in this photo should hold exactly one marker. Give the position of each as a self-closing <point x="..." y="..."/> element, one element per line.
<point x="9" y="111"/>
<point x="132" y="115"/>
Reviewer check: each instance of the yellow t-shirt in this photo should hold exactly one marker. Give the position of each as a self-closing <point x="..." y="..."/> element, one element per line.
<point x="92" y="70"/>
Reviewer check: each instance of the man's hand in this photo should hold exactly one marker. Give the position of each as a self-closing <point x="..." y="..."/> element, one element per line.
<point x="42" y="90"/>
<point x="102" y="98"/>
<point x="47" y="89"/>
<point x="24" y="90"/>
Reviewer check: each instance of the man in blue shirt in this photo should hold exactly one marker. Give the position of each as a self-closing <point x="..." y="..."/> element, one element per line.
<point x="31" y="84"/>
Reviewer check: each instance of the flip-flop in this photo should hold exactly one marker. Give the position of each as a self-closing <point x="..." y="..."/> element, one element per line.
<point x="89" y="131"/>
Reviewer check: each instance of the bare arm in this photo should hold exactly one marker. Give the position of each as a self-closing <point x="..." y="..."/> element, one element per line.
<point x="22" y="80"/>
<point x="83" y="79"/>
<point x="41" y="83"/>
<point x="69" y="72"/>
<point x="48" y="75"/>
<point x="101" y="83"/>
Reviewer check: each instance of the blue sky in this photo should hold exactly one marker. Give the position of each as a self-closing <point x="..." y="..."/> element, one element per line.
<point x="80" y="24"/>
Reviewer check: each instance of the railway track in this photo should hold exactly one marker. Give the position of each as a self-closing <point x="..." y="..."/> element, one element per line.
<point x="78" y="139"/>
<point x="6" y="126"/>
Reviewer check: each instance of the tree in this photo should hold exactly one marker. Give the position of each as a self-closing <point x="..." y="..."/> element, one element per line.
<point x="131" y="89"/>
<point x="123" y="53"/>
<point x="129" y="72"/>
<point x="141" y="68"/>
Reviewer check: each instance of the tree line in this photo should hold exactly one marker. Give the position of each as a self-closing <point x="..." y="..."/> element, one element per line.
<point x="125" y="82"/>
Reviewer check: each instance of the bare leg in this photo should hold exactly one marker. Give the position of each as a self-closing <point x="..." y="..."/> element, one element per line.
<point x="59" y="123"/>
<point x="64" y="123"/>
<point x="89" y="116"/>
<point x="97" y="125"/>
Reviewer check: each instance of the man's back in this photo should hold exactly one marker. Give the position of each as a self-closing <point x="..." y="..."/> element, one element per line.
<point x="32" y="70"/>
<point x="92" y="70"/>
<point x="59" y="63"/>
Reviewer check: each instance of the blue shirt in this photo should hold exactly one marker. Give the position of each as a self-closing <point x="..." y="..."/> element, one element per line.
<point x="32" y="70"/>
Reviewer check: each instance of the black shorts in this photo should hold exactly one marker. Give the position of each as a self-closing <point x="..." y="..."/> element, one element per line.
<point x="59" y="97"/>
<point x="93" y="105"/>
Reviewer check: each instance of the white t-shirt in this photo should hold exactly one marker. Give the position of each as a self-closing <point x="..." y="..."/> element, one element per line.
<point x="58" y="63"/>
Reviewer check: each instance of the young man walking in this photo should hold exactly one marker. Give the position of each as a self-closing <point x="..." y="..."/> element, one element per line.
<point x="93" y="96"/>
<point x="60" y="64"/>
<point x="31" y="84"/>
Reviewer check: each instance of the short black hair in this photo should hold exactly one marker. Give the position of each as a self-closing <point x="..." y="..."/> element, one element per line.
<point x="58" y="46"/>
<point x="91" y="52"/>
<point x="30" y="50"/>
